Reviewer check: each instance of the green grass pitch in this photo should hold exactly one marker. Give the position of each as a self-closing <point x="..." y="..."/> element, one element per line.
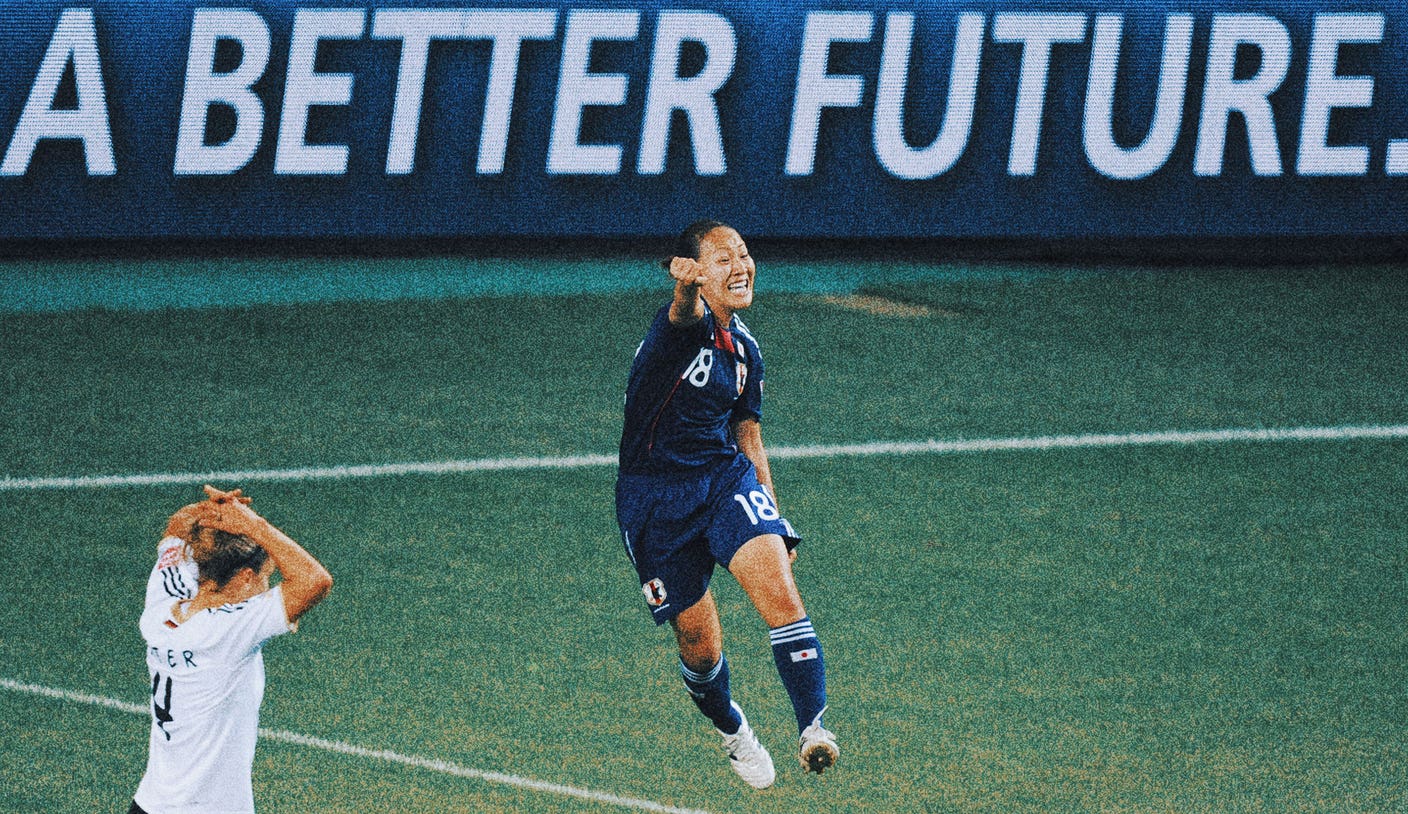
<point x="1166" y="628"/>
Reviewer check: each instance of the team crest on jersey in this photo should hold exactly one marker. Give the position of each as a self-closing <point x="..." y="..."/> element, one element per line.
<point x="742" y="377"/>
<point x="654" y="591"/>
<point x="170" y="556"/>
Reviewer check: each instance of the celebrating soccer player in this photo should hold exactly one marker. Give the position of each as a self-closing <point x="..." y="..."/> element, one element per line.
<point x="694" y="489"/>
<point x="209" y="611"/>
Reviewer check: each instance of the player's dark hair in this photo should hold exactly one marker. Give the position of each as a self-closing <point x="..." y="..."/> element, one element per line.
<point x="220" y="555"/>
<point x="687" y="244"/>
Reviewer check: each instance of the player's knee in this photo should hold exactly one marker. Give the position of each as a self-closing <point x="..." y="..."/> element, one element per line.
<point x="695" y="638"/>
<point x="784" y="612"/>
<point x="699" y="646"/>
<point x="700" y="660"/>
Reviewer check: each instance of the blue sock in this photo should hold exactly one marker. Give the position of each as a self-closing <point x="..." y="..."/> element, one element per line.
<point x="797" y="653"/>
<point x="710" y="693"/>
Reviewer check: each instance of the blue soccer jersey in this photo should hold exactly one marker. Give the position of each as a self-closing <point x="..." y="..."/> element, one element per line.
<point x="687" y="386"/>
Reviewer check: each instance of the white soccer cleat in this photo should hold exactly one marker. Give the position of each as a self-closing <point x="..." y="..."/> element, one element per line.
<point x="749" y="759"/>
<point x="818" y="750"/>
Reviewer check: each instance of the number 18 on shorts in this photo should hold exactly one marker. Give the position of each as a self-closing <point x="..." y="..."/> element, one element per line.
<point x="677" y="529"/>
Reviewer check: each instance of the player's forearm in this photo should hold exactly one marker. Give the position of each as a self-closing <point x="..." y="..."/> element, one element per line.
<point x="688" y="306"/>
<point x="764" y="474"/>
<point x="305" y="580"/>
<point x="749" y="437"/>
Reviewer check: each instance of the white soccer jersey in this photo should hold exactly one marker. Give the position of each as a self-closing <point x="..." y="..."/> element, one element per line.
<point x="174" y="576"/>
<point x="207" y="682"/>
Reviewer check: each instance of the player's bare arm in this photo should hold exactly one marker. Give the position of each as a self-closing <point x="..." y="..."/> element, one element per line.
<point x="305" y="580"/>
<point x="748" y="434"/>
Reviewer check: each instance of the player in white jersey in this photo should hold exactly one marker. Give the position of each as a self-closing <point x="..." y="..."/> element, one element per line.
<point x="209" y="611"/>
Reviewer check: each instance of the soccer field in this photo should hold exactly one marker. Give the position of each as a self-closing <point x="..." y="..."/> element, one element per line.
<point x="1095" y="621"/>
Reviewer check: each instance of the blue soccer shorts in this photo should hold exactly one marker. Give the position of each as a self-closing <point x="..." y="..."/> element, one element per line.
<point x="675" y="528"/>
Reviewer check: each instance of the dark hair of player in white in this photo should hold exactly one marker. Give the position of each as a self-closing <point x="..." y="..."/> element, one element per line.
<point x="220" y="555"/>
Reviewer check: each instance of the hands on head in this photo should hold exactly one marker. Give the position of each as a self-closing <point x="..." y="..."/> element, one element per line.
<point x="216" y="496"/>
<point x="305" y="580"/>
<point x="227" y="511"/>
<point x="232" y="512"/>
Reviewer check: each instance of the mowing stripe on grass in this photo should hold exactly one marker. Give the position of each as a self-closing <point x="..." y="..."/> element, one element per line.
<point x="1043" y="442"/>
<point x="339" y="747"/>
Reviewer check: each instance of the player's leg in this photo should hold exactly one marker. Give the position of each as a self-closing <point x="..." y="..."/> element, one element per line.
<point x="702" y="662"/>
<point x="763" y="568"/>
<point x="705" y="672"/>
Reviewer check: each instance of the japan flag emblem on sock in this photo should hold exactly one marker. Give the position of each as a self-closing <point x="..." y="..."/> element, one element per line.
<point x="804" y="655"/>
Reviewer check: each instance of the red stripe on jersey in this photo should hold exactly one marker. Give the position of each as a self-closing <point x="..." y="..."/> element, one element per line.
<point x="723" y="339"/>
<point x="650" y="444"/>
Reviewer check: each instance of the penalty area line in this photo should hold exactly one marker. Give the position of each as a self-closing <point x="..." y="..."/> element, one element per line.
<point x="385" y="755"/>
<point x="933" y="447"/>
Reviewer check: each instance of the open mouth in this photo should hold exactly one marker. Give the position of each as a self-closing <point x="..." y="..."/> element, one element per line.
<point x="740" y="287"/>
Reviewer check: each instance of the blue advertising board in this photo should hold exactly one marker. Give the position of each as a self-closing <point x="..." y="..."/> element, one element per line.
<point x="857" y="119"/>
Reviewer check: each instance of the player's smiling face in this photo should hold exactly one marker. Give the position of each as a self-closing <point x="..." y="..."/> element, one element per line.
<point x="730" y="270"/>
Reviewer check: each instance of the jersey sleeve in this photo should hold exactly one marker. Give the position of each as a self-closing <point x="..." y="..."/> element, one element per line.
<point x="174" y="577"/>
<point x="256" y="621"/>
<point x="666" y="340"/>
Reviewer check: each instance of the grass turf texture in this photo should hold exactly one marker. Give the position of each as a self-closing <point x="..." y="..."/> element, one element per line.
<point x="1205" y="628"/>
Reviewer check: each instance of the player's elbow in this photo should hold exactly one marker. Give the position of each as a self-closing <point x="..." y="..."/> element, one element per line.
<point x="311" y="588"/>
<point x="748" y="433"/>
<point x="320" y="585"/>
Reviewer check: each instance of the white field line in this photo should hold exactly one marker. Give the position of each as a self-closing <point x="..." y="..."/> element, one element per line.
<point x="1044" y="442"/>
<point x="339" y="747"/>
